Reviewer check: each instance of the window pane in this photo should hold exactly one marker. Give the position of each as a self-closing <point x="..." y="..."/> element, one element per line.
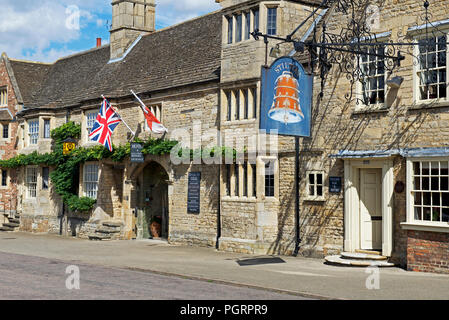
<point x="5" y="130"/>
<point x="256" y="19"/>
<point x="248" y="25"/>
<point x="238" y="31"/>
<point x="230" y="29"/>
<point x="271" y="21"/>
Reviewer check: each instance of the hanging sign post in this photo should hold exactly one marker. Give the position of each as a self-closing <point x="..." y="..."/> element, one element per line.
<point x="285" y="109"/>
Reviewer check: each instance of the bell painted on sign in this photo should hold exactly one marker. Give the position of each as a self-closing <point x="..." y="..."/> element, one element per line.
<point x="286" y="105"/>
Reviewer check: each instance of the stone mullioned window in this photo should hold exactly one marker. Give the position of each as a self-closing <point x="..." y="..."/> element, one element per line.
<point x="241" y="24"/>
<point x="241" y="104"/>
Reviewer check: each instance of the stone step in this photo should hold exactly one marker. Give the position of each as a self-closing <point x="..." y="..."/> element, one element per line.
<point x="4" y="228"/>
<point x="107" y="230"/>
<point x="11" y="225"/>
<point x="337" y="260"/>
<point x="112" y="224"/>
<point x="14" y="220"/>
<point x="362" y="256"/>
<point x="368" y="251"/>
<point x="97" y="236"/>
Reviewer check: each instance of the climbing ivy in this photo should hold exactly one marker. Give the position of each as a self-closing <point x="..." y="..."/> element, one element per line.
<point x="66" y="167"/>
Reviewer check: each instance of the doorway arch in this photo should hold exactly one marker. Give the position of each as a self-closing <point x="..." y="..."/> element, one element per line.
<point x="153" y="202"/>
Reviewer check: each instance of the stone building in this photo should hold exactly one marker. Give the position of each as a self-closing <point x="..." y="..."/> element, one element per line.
<point x="202" y="80"/>
<point x="18" y="79"/>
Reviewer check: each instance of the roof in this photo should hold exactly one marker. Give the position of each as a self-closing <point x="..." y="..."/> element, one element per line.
<point x="5" y="114"/>
<point x="185" y="54"/>
<point x="29" y="77"/>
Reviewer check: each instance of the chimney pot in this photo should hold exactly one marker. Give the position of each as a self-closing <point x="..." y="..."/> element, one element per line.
<point x="98" y="42"/>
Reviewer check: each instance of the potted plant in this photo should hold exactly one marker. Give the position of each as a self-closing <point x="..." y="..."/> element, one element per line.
<point x="156" y="226"/>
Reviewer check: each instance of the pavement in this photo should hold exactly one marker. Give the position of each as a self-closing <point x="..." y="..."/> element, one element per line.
<point x="304" y="277"/>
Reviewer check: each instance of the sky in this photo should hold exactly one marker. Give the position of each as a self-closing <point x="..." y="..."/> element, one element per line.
<point x="46" y="30"/>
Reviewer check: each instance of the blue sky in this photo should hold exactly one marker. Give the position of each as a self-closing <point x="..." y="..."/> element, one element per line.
<point x="45" y="30"/>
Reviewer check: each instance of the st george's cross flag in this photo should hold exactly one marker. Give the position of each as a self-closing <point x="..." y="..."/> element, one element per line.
<point x="154" y="125"/>
<point x="105" y="123"/>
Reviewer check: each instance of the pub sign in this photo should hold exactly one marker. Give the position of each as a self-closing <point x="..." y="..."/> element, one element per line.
<point x="286" y="98"/>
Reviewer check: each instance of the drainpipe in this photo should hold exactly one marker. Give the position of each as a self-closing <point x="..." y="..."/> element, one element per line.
<point x="297" y="216"/>
<point x="217" y="244"/>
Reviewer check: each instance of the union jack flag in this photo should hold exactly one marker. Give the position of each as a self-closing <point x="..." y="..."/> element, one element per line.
<point x="105" y="123"/>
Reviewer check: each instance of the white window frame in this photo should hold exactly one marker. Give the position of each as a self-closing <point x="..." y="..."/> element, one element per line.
<point x="91" y="115"/>
<point x="3" y="96"/>
<point x="90" y="184"/>
<point x="416" y="81"/>
<point x="315" y="185"/>
<point x="411" y="223"/>
<point x="359" y="89"/>
<point x="31" y="186"/>
<point x="33" y="131"/>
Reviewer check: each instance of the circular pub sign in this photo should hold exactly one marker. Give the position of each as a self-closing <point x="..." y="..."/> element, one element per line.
<point x="68" y="145"/>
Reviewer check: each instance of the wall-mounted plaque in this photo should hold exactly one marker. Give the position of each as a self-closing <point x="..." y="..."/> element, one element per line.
<point x="193" y="194"/>
<point x="335" y="184"/>
<point x="136" y="153"/>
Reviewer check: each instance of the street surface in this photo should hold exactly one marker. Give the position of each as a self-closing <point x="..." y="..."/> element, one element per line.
<point x="150" y="269"/>
<point x="26" y="277"/>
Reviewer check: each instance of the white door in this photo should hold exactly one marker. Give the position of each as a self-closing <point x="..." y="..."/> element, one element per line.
<point x="371" y="209"/>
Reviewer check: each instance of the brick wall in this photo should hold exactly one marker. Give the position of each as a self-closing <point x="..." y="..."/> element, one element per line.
<point x="8" y="194"/>
<point x="428" y="251"/>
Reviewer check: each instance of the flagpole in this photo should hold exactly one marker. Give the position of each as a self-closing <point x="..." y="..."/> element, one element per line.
<point x="142" y="105"/>
<point x="124" y="122"/>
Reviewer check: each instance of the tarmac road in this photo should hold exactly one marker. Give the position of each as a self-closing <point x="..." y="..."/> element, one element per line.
<point x="27" y="277"/>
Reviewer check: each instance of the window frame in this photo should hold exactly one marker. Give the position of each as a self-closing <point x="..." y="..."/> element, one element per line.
<point x="4" y="96"/>
<point x="360" y="91"/>
<point x="273" y="174"/>
<point x="4" y="182"/>
<point x="269" y="9"/>
<point x="87" y="114"/>
<point x="87" y="191"/>
<point x="230" y="32"/>
<point x="33" y="136"/>
<point x="416" y="69"/>
<point x="31" y="191"/>
<point x="47" y="129"/>
<point x="240" y="104"/>
<point x="5" y="125"/>
<point x="46" y="178"/>
<point x="315" y="196"/>
<point x="410" y="200"/>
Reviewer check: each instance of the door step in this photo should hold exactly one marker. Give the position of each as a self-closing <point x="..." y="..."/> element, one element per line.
<point x="368" y="251"/>
<point x="362" y="256"/>
<point x="339" y="261"/>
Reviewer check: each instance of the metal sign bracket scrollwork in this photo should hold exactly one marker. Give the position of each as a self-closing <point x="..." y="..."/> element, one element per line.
<point x="356" y="42"/>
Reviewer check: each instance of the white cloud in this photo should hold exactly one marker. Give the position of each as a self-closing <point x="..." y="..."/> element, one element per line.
<point x="37" y="30"/>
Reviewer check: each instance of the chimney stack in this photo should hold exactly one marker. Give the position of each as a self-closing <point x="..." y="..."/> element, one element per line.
<point x="130" y="18"/>
<point x="98" y="42"/>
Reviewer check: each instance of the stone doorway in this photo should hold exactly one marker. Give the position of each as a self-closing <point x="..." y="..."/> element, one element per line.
<point x="153" y="201"/>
